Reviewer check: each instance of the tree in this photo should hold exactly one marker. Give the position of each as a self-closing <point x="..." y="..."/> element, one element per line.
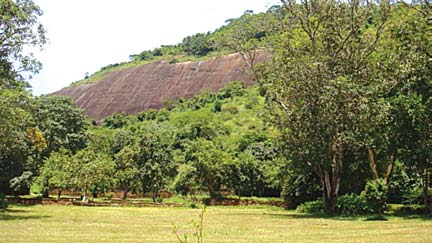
<point x="410" y="97"/>
<point x="244" y="36"/>
<point x="91" y="171"/>
<point x="19" y="28"/>
<point x="14" y="121"/>
<point x="197" y="45"/>
<point x="321" y="85"/>
<point x="155" y="157"/>
<point x="62" y="123"/>
<point x="56" y="171"/>
<point x="209" y="163"/>
<point x="127" y="171"/>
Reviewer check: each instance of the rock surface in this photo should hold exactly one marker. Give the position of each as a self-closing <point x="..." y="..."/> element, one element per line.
<point x="136" y="89"/>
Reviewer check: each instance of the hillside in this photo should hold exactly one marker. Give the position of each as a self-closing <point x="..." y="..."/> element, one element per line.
<point x="135" y="89"/>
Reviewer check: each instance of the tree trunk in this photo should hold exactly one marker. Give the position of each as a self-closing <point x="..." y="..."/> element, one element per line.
<point x="373" y="166"/>
<point x="125" y="192"/>
<point x="45" y="193"/>
<point x="331" y="178"/>
<point x="329" y="194"/>
<point x="59" y="194"/>
<point x="154" y="195"/>
<point x="372" y="163"/>
<point x="425" y="191"/>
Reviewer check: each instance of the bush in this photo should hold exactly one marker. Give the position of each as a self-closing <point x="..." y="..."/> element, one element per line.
<point x="298" y="189"/>
<point x="316" y="206"/>
<point x="3" y="202"/>
<point x="230" y="108"/>
<point x="375" y="194"/>
<point x="352" y="204"/>
<point x="21" y="183"/>
<point x="184" y="182"/>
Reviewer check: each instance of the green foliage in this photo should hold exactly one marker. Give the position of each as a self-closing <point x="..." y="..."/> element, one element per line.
<point x="197" y="45"/>
<point x="316" y="206"/>
<point x="321" y="93"/>
<point x="209" y="162"/>
<point x="127" y="170"/>
<point x="56" y="172"/>
<point x="19" y="30"/>
<point x="117" y="120"/>
<point x="22" y="182"/>
<point x="349" y="204"/>
<point x="352" y="204"/>
<point x="375" y="194"/>
<point x="91" y="172"/>
<point x="230" y="108"/>
<point x="15" y="119"/>
<point x="298" y="188"/>
<point x="231" y="90"/>
<point x="155" y="157"/>
<point x="185" y="181"/>
<point x="62" y="123"/>
<point x="3" y="202"/>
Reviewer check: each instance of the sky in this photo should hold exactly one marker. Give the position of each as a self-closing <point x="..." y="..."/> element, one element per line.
<point x="85" y="35"/>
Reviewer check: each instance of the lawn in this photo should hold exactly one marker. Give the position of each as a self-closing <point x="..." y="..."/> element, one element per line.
<point x="221" y="224"/>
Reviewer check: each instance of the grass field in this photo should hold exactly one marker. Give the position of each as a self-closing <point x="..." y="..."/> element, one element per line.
<point x="221" y="224"/>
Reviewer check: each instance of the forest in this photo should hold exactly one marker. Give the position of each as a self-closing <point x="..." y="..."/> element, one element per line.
<point x="339" y="119"/>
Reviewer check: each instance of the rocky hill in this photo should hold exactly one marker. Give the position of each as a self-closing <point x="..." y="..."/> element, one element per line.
<point x="135" y="89"/>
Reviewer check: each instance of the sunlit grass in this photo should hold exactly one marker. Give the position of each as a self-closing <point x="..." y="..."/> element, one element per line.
<point x="221" y="224"/>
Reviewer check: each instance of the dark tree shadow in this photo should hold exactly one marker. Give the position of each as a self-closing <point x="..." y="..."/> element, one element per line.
<point x="368" y="217"/>
<point x="19" y="214"/>
<point x="314" y="216"/>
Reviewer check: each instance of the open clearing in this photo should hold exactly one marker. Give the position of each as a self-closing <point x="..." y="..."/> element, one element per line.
<point x="221" y="224"/>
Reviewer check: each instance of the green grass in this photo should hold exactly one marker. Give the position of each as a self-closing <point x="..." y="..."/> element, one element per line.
<point x="221" y="224"/>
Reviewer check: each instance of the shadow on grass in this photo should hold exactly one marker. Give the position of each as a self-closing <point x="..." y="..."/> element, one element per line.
<point x="18" y="214"/>
<point x="314" y="216"/>
<point x="369" y="217"/>
<point x="415" y="216"/>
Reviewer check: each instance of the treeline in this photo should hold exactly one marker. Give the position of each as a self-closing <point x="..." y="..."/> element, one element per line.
<point x="341" y="112"/>
<point x="349" y="88"/>
<point x="212" y="144"/>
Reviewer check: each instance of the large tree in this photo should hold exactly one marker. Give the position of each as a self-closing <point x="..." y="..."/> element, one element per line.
<point x="321" y="84"/>
<point x="62" y="123"/>
<point x="155" y="156"/>
<point x="411" y="35"/>
<point x="19" y="29"/>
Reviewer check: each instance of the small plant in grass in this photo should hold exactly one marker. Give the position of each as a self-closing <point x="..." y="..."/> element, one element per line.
<point x="198" y="229"/>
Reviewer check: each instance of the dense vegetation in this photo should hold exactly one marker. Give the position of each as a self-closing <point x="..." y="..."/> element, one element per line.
<point x="342" y="114"/>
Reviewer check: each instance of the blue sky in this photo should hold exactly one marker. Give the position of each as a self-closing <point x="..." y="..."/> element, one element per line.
<point x="86" y="35"/>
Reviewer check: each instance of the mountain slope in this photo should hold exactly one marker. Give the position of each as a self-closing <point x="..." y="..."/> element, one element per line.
<point x="135" y="89"/>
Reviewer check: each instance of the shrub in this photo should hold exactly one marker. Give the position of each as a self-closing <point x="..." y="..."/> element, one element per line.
<point x="352" y="204"/>
<point x="297" y="189"/>
<point x="316" y="206"/>
<point x="230" y="108"/>
<point x="375" y="194"/>
<point x="3" y="202"/>
<point x="22" y="182"/>
<point x="185" y="181"/>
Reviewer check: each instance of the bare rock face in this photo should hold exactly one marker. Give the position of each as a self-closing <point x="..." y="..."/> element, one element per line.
<point x="136" y="89"/>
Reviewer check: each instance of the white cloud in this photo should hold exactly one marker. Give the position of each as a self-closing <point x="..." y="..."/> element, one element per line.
<point x="88" y="34"/>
